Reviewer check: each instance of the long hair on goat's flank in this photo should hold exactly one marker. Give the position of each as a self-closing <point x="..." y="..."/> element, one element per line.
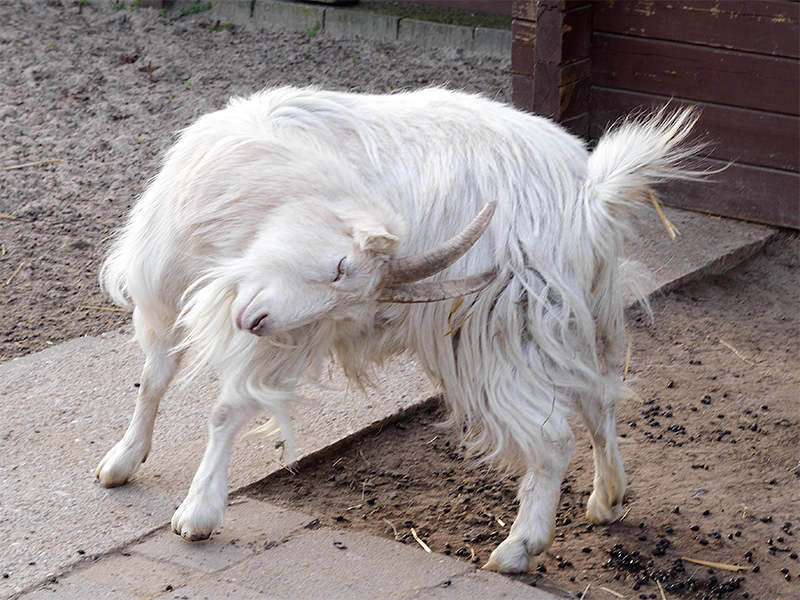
<point x="204" y="323"/>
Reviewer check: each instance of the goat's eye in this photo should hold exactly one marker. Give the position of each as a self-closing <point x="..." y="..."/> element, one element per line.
<point x="340" y="270"/>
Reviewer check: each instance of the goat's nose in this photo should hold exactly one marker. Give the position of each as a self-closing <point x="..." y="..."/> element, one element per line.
<point x="259" y="326"/>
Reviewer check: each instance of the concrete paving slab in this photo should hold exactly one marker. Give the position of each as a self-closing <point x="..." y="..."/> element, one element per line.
<point x="218" y="589"/>
<point x="78" y="588"/>
<point x="250" y="527"/>
<point x="138" y="575"/>
<point x="234" y="9"/>
<point x="329" y="564"/>
<point x="495" y="42"/>
<point x="707" y="246"/>
<point x="62" y="409"/>
<point x="483" y="584"/>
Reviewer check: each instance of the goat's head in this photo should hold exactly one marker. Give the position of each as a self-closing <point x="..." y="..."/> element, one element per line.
<point x="310" y="263"/>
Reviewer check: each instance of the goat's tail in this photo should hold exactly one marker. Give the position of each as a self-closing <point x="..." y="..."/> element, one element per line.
<point x="635" y="154"/>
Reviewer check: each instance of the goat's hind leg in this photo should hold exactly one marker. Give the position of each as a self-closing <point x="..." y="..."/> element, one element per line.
<point x="605" y="503"/>
<point x="534" y="528"/>
<point x="123" y="460"/>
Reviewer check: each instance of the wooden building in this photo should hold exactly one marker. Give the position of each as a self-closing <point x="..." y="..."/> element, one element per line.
<point x="586" y="64"/>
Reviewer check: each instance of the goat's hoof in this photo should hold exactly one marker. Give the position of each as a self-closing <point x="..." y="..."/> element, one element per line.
<point x="600" y="512"/>
<point x="196" y="520"/>
<point x="512" y="556"/>
<point x="119" y="464"/>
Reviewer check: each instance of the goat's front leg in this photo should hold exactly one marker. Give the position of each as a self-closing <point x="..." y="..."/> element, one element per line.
<point x="124" y="459"/>
<point x="203" y="510"/>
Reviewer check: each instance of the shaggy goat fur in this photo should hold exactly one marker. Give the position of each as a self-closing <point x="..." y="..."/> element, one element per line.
<point x="281" y="211"/>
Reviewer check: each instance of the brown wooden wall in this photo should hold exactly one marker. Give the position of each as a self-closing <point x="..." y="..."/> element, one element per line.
<point x="737" y="60"/>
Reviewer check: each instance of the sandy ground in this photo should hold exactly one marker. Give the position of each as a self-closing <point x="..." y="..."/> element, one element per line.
<point x="89" y="102"/>
<point x="90" y="99"/>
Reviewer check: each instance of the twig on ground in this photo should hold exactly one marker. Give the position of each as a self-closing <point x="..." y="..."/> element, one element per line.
<point x="12" y="218"/>
<point x="471" y="552"/>
<point x="736" y="352"/>
<point x="14" y="274"/>
<point x="661" y="589"/>
<point x="390" y="524"/>
<point x="107" y="308"/>
<point x="628" y="353"/>
<point x="714" y="565"/>
<point x="35" y="163"/>
<point x="612" y="592"/>
<point x="283" y="466"/>
<point x="419" y="541"/>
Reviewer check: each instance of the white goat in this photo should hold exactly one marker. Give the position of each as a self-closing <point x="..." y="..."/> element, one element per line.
<point x="282" y="216"/>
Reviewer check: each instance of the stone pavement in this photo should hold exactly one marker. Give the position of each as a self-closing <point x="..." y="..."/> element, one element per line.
<point x="268" y="552"/>
<point x="65" y="537"/>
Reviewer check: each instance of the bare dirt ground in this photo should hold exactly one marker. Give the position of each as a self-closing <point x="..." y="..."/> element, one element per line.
<point x="90" y="98"/>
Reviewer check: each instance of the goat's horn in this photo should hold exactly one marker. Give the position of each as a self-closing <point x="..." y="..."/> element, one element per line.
<point x="433" y="291"/>
<point x="427" y="263"/>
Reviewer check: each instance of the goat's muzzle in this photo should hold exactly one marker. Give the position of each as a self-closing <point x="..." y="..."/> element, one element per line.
<point x="401" y="282"/>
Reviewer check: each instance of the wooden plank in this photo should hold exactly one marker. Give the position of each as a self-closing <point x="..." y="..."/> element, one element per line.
<point x="535" y="58"/>
<point x="764" y="27"/>
<point x="522" y="91"/>
<point x="523" y="48"/>
<point x="547" y="77"/>
<point x="574" y="99"/>
<point x="577" y="34"/>
<point x="696" y="73"/>
<point x="747" y="136"/>
<point x="525" y="10"/>
<point x="744" y="192"/>
<point x="575" y="71"/>
<point x="578" y="125"/>
<point x="575" y="4"/>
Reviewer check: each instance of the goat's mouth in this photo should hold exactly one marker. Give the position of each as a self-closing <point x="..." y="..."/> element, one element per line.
<point x="401" y="282"/>
<point x="259" y="325"/>
<point x="255" y="322"/>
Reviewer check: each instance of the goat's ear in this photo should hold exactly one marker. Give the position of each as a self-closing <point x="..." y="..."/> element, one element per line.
<point x="372" y="236"/>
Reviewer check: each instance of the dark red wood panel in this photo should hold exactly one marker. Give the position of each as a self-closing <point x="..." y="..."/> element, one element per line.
<point x="763" y="27"/>
<point x="575" y="71"/>
<point x="696" y="73"/>
<point x="536" y="57"/>
<point x="578" y="125"/>
<point x="742" y="191"/>
<point x="736" y="134"/>
<point x="574" y="99"/>
<point x="577" y="34"/>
